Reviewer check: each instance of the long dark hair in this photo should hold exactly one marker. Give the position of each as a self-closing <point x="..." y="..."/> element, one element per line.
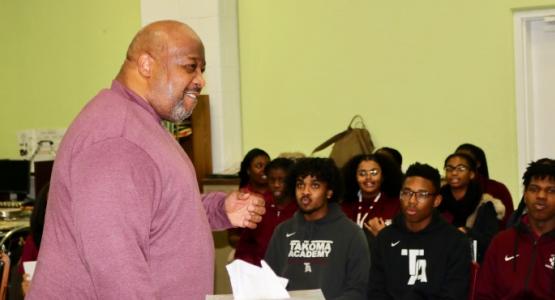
<point x="391" y="174"/>
<point x="478" y="155"/>
<point x="246" y="163"/>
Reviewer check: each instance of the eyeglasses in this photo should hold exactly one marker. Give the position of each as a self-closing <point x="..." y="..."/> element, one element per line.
<point x="372" y="172"/>
<point x="458" y="168"/>
<point x="421" y="196"/>
<point x="534" y="189"/>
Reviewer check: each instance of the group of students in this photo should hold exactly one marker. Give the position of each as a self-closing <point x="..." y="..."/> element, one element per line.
<point x="369" y="231"/>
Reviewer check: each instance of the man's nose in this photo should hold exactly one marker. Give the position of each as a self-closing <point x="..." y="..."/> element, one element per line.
<point x="199" y="80"/>
<point x="413" y="199"/>
<point x="542" y="194"/>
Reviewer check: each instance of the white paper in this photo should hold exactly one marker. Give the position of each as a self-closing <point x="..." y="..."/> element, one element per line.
<point x="252" y="282"/>
<point x="295" y="295"/>
<point x="29" y="268"/>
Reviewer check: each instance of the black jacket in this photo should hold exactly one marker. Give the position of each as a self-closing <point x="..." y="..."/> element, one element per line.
<point x="430" y="264"/>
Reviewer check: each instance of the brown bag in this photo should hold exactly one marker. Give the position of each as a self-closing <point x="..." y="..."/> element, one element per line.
<point x="349" y="143"/>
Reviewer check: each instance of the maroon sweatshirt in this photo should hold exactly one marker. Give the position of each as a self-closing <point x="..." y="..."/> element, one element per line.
<point x="386" y="208"/>
<point x="518" y="265"/>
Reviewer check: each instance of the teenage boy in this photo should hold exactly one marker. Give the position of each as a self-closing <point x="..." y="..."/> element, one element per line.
<point x="520" y="262"/>
<point x="420" y="256"/>
<point x="320" y="248"/>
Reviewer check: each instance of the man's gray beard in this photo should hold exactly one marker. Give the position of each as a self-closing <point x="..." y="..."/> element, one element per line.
<point x="179" y="113"/>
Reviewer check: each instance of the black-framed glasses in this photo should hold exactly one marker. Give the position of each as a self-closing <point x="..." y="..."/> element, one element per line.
<point x="459" y="168"/>
<point x="421" y="196"/>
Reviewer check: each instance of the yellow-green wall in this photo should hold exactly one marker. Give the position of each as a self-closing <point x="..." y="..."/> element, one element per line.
<point x="426" y="75"/>
<point x="56" y="55"/>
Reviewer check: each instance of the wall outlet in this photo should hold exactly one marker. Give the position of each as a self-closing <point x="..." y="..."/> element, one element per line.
<point x="39" y="144"/>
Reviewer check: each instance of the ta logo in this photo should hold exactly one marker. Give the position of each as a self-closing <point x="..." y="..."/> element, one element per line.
<point x="417" y="266"/>
<point x="307" y="267"/>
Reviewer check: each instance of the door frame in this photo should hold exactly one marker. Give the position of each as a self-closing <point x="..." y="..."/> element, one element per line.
<point x="524" y="82"/>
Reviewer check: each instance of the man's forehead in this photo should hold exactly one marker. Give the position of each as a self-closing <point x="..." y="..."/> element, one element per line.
<point x="191" y="52"/>
<point x="186" y="45"/>
<point x="419" y="183"/>
<point x="309" y="177"/>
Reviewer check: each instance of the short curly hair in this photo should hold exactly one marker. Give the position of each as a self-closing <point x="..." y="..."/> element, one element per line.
<point x="324" y="169"/>
<point x="279" y="163"/>
<point x="425" y="171"/>
<point x="539" y="169"/>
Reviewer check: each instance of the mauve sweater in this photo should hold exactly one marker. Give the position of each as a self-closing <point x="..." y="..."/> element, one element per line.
<point x="125" y="219"/>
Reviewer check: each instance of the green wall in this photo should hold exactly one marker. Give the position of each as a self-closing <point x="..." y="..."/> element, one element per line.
<point x="426" y="76"/>
<point x="56" y="55"/>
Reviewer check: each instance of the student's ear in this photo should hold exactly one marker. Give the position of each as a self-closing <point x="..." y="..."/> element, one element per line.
<point x="437" y="200"/>
<point x="145" y="64"/>
<point x="472" y="175"/>
<point x="329" y="194"/>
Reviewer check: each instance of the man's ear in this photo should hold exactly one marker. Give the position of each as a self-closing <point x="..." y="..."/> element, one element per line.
<point x="437" y="200"/>
<point x="145" y="63"/>
<point x="329" y="194"/>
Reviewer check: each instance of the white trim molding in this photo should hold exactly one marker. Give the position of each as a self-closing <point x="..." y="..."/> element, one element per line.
<point x="524" y="92"/>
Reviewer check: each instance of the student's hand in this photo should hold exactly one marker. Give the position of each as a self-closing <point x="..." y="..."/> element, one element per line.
<point x="25" y="283"/>
<point x="463" y="229"/>
<point x="375" y="225"/>
<point x="244" y="209"/>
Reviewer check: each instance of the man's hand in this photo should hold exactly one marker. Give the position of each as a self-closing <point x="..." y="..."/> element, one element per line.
<point x="25" y="284"/>
<point x="244" y="209"/>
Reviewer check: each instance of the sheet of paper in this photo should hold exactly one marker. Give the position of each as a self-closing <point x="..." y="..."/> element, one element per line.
<point x="295" y="295"/>
<point x="29" y="268"/>
<point x="252" y="282"/>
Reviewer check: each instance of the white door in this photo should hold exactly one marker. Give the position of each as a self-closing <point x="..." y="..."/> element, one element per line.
<point x="535" y="84"/>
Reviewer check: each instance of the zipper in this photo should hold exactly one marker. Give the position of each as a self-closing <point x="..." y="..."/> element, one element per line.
<point x="532" y="264"/>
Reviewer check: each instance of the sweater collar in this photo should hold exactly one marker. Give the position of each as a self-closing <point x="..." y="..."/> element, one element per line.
<point x="523" y="226"/>
<point x="128" y="94"/>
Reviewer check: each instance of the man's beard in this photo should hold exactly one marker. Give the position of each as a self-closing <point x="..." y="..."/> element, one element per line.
<point x="179" y="113"/>
<point x="308" y="211"/>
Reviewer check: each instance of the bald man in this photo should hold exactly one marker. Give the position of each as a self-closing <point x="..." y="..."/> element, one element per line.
<point x="125" y="219"/>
